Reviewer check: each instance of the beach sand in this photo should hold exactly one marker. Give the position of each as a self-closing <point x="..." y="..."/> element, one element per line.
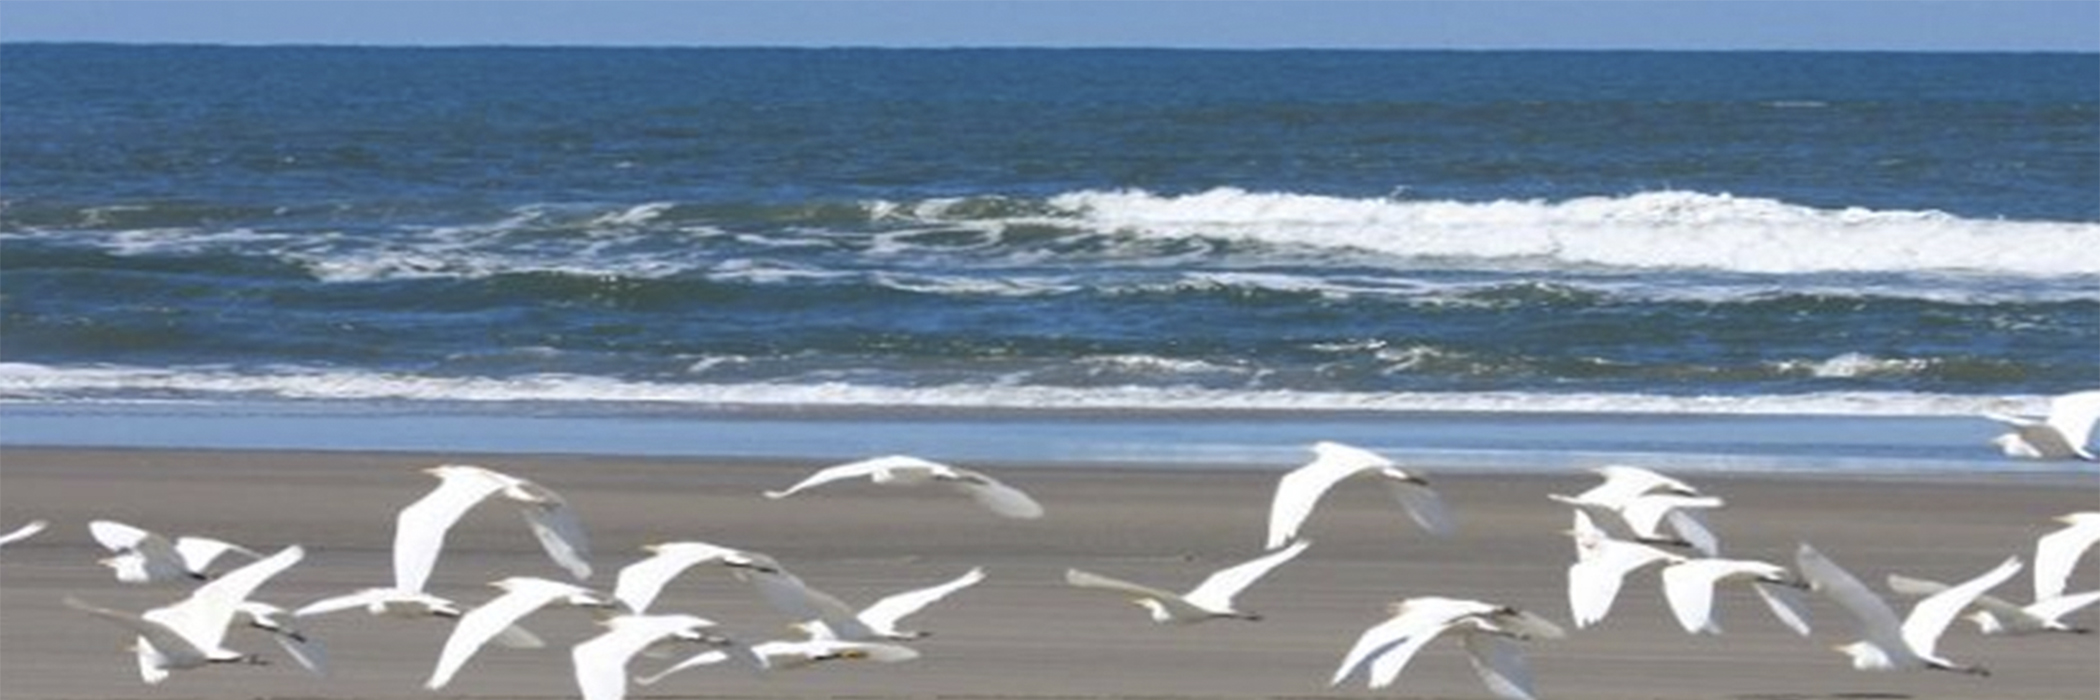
<point x="1022" y="633"/>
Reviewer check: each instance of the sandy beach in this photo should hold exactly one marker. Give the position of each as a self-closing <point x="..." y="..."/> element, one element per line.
<point x="1022" y="633"/>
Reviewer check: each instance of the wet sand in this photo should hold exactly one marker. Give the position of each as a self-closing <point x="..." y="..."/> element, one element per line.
<point x="1022" y="633"/>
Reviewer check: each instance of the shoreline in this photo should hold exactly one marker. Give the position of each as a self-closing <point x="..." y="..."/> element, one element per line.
<point x="1022" y="633"/>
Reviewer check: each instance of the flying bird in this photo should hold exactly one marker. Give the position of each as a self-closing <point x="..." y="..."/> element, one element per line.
<point x="1600" y="569"/>
<point x="419" y="529"/>
<point x="190" y="633"/>
<point x="2063" y="434"/>
<point x="1488" y="631"/>
<point x="788" y="655"/>
<point x="1997" y="616"/>
<point x="824" y="616"/>
<point x="1689" y="584"/>
<point x="1891" y="643"/>
<point x="1300" y="489"/>
<point x="905" y="470"/>
<point x="144" y="556"/>
<point x="601" y="662"/>
<point x="522" y="595"/>
<point x="1209" y="600"/>
<point x="1635" y="504"/>
<point x="638" y="584"/>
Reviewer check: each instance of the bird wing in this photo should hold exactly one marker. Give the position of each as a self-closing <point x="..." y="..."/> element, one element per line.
<point x="601" y="662"/>
<point x="1085" y="579"/>
<point x="340" y="603"/>
<point x="204" y="616"/>
<point x="2057" y="553"/>
<point x="1300" y="489"/>
<point x="999" y="497"/>
<point x="560" y="532"/>
<point x="164" y="640"/>
<point x="483" y="623"/>
<point x="885" y="613"/>
<point x="117" y="537"/>
<point x="26" y="531"/>
<point x="2073" y="415"/>
<point x="1690" y="525"/>
<point x="1786" y="603"/>
<point x="197" y="553"/>
<point x="1878" y="623"/>
<point x="1217" y="591"/>
<point x="1644" y="513"/>
<point x="303" y="648"/>
<point x="1423" y="505"/>
<point x="639" y="583"/>
<point x="1500" y="663"/>
<point x="1921" y="588"/>
<point x="1622" y="482"/>
<point x="1930" y="617"/>
<point x="1689" y="588"/>
<point x="2055" y="608"/>
<point x="850" y="470"/>
<point x="1593" y="582"/>
<point x="419" y="530"/>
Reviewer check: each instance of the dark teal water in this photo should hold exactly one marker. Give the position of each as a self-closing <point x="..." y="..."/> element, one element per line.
<point x="1673" y="232"/>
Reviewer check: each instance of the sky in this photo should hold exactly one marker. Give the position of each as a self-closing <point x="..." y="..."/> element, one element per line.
<point x="1862" y="25"/>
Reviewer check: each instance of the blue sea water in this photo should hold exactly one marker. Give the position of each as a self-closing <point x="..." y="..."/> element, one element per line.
<point x="594" y="232"/>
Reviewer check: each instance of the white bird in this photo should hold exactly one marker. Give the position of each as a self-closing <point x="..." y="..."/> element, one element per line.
<point x="787" y="655"/>
<point x="143" y="556"/>
<point x="394" y="602"/>
<point x="1689" y="586"/>
<point x="1997" y="616"/>
<point x="1634" y="504"/>
<point x="833" y="619"/>
<point x="601" y="661"/>
<point x="522" y="595"/>
<point x="1209" y="600"/>
<point x="26" y="531"/>
<point x="283" y="626"/>
<point x="639" y="583"/>
<point x="2056" y="554"/>
<point x="2063" y="434"/>
<point x="1600" y="569"/>
<point x="1489" y="633"/>
<point x="905" y="470"/>
<point x="191" y="632"/>
<point x="1300" y="489"/>
<point x="1890" y="643"/>
<point x="419" y="530"/>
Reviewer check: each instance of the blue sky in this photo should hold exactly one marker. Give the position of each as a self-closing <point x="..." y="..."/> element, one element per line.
<point x="1992" y="25"/>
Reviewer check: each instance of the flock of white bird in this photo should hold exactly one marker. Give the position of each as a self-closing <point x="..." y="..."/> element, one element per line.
<point x="1634" y="519"/>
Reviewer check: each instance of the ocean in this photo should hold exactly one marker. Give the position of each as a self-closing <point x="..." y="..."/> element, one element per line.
<point x="1235" y="240"/>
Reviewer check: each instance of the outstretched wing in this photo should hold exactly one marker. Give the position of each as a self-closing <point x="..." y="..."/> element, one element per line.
<point x="1500" y="664"/>
<point x="26" y="531"/>
<point x="885" y="613"/>
<point x="1086" y="579"/>
<point x="1932" y="615"/>
<point x="1217" y="591"/>
<point x="1422" y="504"/>
<point x="999" y="497"/>
<point x="560" y="532"/>
<point x="851" y="470"/>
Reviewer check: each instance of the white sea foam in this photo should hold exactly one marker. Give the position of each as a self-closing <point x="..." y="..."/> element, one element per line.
<point x="102" y="383"/>
<point x="1653" y="230"/>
